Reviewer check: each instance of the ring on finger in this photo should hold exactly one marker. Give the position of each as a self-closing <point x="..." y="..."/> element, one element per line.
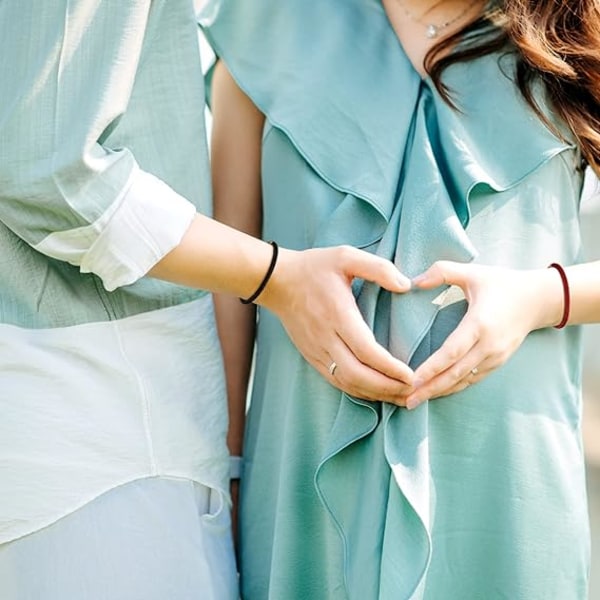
<point x="332" y="368"/>
<point x="474" y="371"/>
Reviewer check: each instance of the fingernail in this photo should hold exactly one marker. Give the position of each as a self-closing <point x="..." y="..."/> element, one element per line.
<point x="404" y="281"/>
<point x="418" y="279"/>
<point x="417" y="383"/>
<point x="412" y="402"/>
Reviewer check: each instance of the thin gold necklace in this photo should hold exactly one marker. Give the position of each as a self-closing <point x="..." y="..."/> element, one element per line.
<point x="431" y="29"/>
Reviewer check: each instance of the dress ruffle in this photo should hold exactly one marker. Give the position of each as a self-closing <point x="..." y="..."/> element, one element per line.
<point x="323" y="97"/>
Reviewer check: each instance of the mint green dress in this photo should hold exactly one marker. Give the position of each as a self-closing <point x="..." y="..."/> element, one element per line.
<point x="476" y="496"/>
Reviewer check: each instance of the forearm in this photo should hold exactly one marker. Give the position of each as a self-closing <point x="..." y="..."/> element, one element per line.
<point x="584" y="284"/>
<point x="236" y="326"/>
<point x="235" y="170"/>
<point x="215" y="257"/>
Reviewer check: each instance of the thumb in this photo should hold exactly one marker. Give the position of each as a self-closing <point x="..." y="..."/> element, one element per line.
<point x="365" y="266"/>
<point x="442" y="272"/>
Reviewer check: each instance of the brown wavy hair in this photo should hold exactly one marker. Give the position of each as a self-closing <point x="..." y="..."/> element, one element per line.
<point x="557" y="43"/>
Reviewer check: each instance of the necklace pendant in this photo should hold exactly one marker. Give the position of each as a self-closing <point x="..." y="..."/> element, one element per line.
<point x="431" y="31"/>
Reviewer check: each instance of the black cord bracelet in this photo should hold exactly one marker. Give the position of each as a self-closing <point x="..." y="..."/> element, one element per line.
<point x="263" y="283"/>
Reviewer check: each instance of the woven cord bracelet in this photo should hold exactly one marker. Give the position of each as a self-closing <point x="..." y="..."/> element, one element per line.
<point x="263" y="283"/>
<point x="566" y="295"/>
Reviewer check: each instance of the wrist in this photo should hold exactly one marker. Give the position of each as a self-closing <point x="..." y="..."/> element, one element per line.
<point x="266" y="277"/>
<point x="275" y="291"/>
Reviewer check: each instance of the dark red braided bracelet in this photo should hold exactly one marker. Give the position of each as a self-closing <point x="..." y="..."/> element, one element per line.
<point x="566" y="295"/>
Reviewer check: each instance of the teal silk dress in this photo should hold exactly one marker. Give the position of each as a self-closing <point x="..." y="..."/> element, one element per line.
<point x="480" y="495"/>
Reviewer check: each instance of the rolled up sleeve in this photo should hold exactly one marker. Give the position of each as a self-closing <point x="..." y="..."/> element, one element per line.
<point x="63" y="86"/>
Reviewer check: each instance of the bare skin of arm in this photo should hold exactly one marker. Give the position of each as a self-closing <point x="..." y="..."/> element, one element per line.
<point x="235" y="164"/>
<point x="235" y="167"/>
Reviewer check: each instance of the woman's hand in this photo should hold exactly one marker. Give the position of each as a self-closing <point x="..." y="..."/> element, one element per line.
<point x="310" y="292"/>
<point x="504" y="306"/>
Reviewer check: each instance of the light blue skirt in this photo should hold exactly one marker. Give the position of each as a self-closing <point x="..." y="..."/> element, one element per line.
<point x="152" y="539"/>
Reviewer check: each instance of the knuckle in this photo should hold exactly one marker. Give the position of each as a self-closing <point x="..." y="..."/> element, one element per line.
<point x="398" y="401"/>
<point x="360" y="352"/>
<point x="390" y="394"/>
<point x="495" y="349"/>
<point x="346" y="252"/>
<point x="386" y="391"/>
<point x="485" y="328"/>
<point x="380" y="270"/>
<point x="390" y="391"/>
<point x="457" y="373"/>
<point x="453" y="353"/>
<point x="493" y="356"/>
<point x="341" y="380"/>
<point x="496" y="360"/>
<point x="440" y="267"/>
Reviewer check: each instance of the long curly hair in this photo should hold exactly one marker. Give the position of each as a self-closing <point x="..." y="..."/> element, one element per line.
<point x="557" y="43"/>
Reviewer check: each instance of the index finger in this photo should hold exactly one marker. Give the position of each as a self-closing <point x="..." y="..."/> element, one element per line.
<point x="456" y="346"/>
<point x="360" y="340"/>
<point x="357" y="379"/>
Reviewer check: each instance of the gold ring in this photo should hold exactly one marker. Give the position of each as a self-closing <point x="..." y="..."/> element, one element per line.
<point x="332" y="368"/>
<point x="474" y="371"/>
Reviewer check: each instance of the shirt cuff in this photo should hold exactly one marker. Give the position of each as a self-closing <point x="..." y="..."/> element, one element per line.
<point x="139" y="229"/>
<point x="150" y="221"/>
